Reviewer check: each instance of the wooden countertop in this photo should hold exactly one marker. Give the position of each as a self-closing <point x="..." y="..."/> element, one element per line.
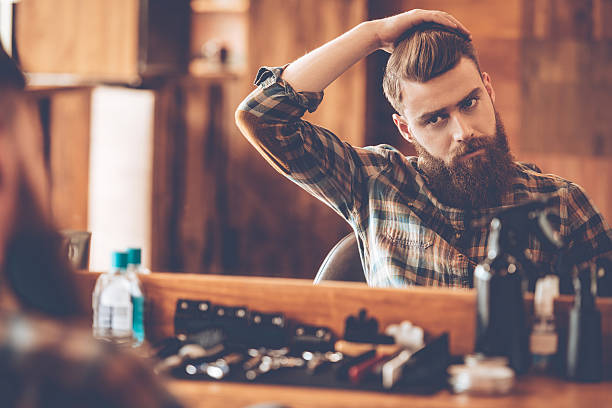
<point x="530" y="391"/>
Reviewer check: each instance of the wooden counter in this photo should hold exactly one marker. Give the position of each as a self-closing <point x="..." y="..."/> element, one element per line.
<point x="530" y="392"/>
<point x="436" y="310"/>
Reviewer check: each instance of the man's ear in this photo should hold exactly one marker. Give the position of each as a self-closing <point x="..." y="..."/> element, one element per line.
<point x="486" y="80"/>
<point x="403" y="127"/>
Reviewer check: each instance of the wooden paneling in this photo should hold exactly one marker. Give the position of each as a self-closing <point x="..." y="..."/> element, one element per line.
<point x="591" y="173"/>
<point x="567" y="80"/>
<point x="277" y="227"/>
<point x="566" y="70"/>
<point x="191" y="222"/>
<point x="65" y="115"/>
<point x="168" y="144"/>
<point x="69" y="157"/>
<point x="97" y="39"/>
<point x="567" y="92"/>
<point x="204" y="219"/>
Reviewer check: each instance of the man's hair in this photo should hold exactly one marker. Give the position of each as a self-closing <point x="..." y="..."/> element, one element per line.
<point x="423" y="53"/>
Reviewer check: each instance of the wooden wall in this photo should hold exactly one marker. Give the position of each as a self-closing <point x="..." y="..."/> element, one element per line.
<point x="65" y="121"/>
<point x="277" y="228"/>
<point x="566" y="84"/>
<point x="274" y="228"/>
<point x="552" y="73"/>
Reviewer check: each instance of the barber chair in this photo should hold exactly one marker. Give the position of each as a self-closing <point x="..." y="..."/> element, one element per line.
<point x="342" y="263"/>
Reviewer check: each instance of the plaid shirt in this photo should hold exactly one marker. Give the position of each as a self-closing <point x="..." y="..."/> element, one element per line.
<point x="406" y="236"/>
<point x="45" y="364"/>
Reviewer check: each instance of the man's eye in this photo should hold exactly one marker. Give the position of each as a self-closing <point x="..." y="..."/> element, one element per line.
<point x="434" y="120"/>
<point x="470" y="103"/>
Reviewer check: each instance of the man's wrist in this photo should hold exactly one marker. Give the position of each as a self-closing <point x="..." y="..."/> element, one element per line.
<point x="369" y="30"/>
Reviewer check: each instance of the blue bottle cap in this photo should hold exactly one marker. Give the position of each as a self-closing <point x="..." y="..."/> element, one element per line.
<point x="134" y="256"/>
<point x="119" y="259"/>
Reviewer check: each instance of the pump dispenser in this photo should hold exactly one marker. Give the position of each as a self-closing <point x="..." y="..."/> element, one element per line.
<point x="584" y="346"/>
<point x="544" y="338"/>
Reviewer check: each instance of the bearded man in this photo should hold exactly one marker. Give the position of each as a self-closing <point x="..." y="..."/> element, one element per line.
<point x="415" y="218"/>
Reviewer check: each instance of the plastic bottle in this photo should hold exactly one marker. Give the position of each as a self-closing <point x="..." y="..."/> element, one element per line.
<point x="134" y="271"/>
<point x="134" y="262"/>
<point x="544" y="338"/>
<point x="112" y="303"/>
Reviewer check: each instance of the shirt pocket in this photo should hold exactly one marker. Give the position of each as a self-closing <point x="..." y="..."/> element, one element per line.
<point x="409" y="251"/>
<point x="423" y="257"/>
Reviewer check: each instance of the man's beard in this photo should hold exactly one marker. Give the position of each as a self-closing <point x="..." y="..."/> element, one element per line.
<point x="479" y="181"/>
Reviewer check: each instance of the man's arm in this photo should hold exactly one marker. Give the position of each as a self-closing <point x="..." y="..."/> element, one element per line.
<point x="316" y="70"/>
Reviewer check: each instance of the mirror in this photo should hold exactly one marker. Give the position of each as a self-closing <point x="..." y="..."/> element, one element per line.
<point x="204" y="201"/>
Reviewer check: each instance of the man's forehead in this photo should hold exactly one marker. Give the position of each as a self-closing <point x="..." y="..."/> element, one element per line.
<point x="443" y="91"/>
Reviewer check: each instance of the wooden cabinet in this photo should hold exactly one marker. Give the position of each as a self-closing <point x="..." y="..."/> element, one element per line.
<point x="102" y="40"/>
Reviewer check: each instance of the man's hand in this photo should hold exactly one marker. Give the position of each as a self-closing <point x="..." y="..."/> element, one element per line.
<point x="391" y="28"/>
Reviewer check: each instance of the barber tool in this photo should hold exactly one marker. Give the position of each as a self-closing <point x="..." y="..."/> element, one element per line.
<point x="501" y="326"/>
<point x="406" y="335"/>
<point x="217" y="369"/>
<point x="364" y="329"/>
<point x="376" y="370"/>
<point x="316" y="361"/>
<point x="235" y="322"/>
<point x="186" y="353"/>
<point x="192" y="316"/>
<point x="392" y="370"/>
<point x="270" y="360"/>
<point x="311" y="338"/>
<point x="254" y="359"/>
<point x="427" y="367"/>
<point x="357" y="373"/>
<point x="243" y="327"/>
<point x="175" y="351"/>
<point x="267" y="330"/>
<point x="353" y="349"/>
<point x="584" y="346"/>
<point x="346" y="364"/>
<point x="482" y="375"/>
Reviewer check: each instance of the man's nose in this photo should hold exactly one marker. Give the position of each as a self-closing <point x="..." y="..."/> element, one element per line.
<point x="460" y="128"/>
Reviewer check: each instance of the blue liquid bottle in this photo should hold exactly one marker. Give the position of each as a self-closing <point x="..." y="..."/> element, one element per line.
<point x="134" y="271"/>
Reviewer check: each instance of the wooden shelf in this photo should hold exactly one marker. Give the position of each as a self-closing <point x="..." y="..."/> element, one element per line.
<point x="220" y="6"/>
<point x="205" y="69"/>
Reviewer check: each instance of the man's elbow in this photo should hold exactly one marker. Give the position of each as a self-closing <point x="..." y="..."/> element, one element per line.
<point x="261" y="137"/>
